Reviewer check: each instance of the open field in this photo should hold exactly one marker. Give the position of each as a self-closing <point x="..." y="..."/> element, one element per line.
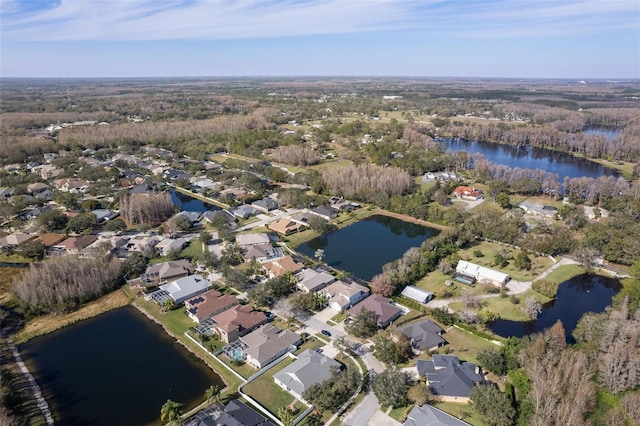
<point x="490" y="250"/>
<point x="507" y="309"/>
<point x="49" y="323"/>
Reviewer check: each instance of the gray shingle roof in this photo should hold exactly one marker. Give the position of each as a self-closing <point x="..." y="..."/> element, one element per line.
<point x="427" y="415"/>
<point x="310" y="368"/>
<point x="424" y="334"/>
<point x="447" y="376"/>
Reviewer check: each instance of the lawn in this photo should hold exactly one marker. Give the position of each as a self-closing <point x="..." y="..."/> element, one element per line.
<point x="244" y="369"/>
<point x="337" y="163"/>
<point x="504" y="306"/>
<point x="294" y="240"/>
<point x="193" y="250"/>
<point x="464" y="345"/>
<point x="538" y="263"/>
<point x="434" y="282"/>
<point x="564" y="273"/>
<point x="267" y="393"/>
<point x="311" y="343"/>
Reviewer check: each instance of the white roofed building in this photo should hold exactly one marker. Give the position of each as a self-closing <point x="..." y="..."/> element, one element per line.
<point x="481" y="274"/>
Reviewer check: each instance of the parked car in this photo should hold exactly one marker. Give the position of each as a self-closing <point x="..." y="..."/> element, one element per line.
<point x="326" y="333"/>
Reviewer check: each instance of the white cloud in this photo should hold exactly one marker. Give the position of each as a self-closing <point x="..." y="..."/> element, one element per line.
<point x="230" y="19"/>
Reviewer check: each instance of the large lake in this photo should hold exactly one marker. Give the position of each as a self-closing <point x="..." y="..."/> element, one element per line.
<point x="577" y="296"/>
<point x="364" y="247"/>
<point x="115" y="369"/>
<point x="559" y="163"/>
<point x="188" y="203"/>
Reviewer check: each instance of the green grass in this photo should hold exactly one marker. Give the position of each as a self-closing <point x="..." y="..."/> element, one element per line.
<point x="564" y="273"/>
<point x="267" y="393"/>
<point x="336" y="163"/>
<point x="311" y="343"/>
<point x="14" y="258"/>
<point x="400" y="414"/>
<point x="539" y="264"/>
<point x="463" y="344"/>
<point x="193" y="250"/>
<point x="299" y="238"/>
<point x="504" y="306"/>
<point x="244" y="369"/>
<point x="434" y="282"/>
<point x="339" y="317"/>
<point x="461" y="411"/>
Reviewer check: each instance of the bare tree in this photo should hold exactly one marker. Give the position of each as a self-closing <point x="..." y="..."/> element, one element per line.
<point x="382" y="285"/>
<point x="532" y="307"/>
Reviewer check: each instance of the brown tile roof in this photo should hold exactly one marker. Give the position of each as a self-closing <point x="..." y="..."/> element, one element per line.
<point x="239" y="318"/>
<point x="209" y="303"/>
<point x="380" y="305"/>
<point x="50" y="239"/>
<point x="283" y="265"/>
<point x="285" y="226"/>
<point x="78" y="243"/>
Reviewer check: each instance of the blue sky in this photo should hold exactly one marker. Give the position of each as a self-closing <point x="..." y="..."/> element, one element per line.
<point x="464" y="38"/>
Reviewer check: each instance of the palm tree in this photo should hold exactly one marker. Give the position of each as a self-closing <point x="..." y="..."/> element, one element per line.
<point x="212" y="393"/>
<point x="171" y="412"/>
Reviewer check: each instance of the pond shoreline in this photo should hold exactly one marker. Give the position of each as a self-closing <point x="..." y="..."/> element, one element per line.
<point x="47" y="324"/>
<point x="178" y="340"/>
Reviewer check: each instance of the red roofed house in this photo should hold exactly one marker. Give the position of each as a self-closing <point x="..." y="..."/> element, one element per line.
<point x="208" y="304"/>
<point x="468" y="193"/>
<point x="237" y="322"/>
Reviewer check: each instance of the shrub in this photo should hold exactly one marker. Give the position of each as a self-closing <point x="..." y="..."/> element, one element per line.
<point x="478" y="253"/>
<point x="546" y="288"/>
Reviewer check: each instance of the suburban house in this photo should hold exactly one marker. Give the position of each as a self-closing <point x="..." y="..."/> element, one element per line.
<point x="279" y="267"/>
<point x="73" y="185"/>
<point x="417" y="294"/>
<point x="310" y="368"/>
<point x="285" y="226"/>
<point x="167" y="271"/>
<point x="244" y="240"/>
<point x="342" y="295"/>
<point x="186" y="288"/>
<point x="210" y="303"/>
<point x="471" y="272"/>
<point x="267" y="343"/>
<point x="595" y="213"/>
<point x="381" y="306"/>
<point x="449" y="379"/>
<point x="234" y="193"/>
<point x="245" y="211"/>
<point x="142" y="243"/>
<point x="237" y="322"/>
<point x="311" y="281"/>
<point x="237" y="413"/>
<point x="15" y="239"/>
<point x="325" y="211"/>
<point x="425" y="335"/>
<point x="6" y="192"/>
<point x="266" y="204"/>
<point x="40" y="190"/>
<point x="103" y="215"/>
<point x="193" y="217"/>
<point x="50" y="239"/>
<point x="203" y="182"/>
<point x="73" y="245"/>
<point x="428" y="415"/>
<point x="167" y="245"/>
<point x="467" y="193"/>
<point x="538" y="209"/>
<point x="211" y="215"/>
<point x="262" y="253"/>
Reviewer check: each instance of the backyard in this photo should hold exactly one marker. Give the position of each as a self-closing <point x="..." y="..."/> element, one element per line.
<point x="267" y="393"/>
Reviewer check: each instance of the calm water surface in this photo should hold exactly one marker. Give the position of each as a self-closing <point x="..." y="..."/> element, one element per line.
<point x="577" y="296"/>
<point x="115" y="369"/>
<point x="190" y="204"/>
<point x="559" y="163"/>
<point x="364" y="247"/>
<point x="607" y="132"/>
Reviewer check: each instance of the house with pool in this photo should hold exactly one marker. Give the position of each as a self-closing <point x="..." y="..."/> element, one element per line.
<point x="470" y="273"/>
